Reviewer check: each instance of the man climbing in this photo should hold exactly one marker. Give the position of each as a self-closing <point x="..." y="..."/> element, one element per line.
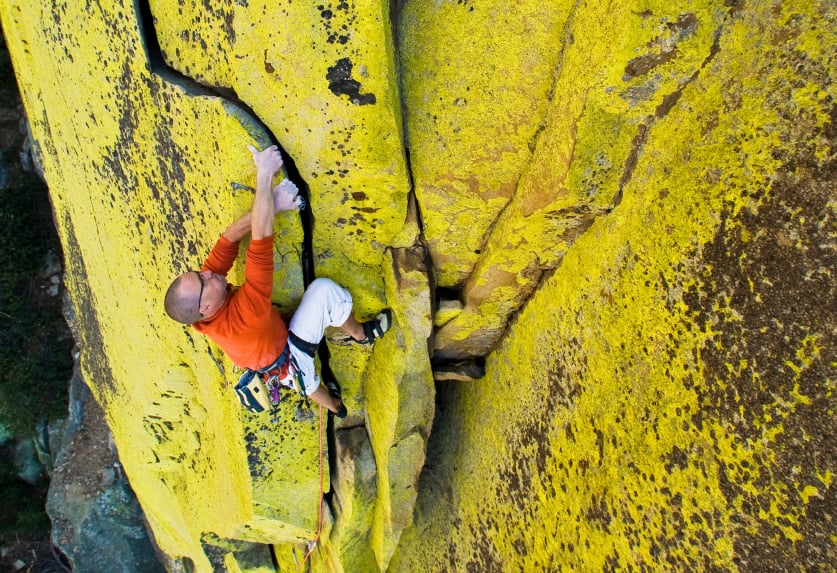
<point x="243" y="322"/>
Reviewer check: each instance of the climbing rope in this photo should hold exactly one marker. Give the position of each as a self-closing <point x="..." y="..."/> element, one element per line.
<point x="306" y="216"/>
<point x="313" y="543"/>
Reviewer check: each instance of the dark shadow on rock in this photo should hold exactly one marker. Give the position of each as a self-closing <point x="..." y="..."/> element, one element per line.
<point x="97" y="521"/>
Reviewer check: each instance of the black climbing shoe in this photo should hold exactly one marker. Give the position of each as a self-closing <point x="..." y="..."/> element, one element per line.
<point x="334" y="390"/>
<point x="375" y="328"/>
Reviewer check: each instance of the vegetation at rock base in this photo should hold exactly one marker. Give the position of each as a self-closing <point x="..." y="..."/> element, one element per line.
<point x="35" y="359"/>
<point x="21" y="505"/>
<point x="35" y="345"/>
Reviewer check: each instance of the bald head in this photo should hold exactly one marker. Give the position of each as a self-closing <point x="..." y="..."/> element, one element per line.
<point x="181" y="300"/>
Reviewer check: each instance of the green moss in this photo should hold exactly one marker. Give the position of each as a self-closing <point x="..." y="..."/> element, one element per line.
<point x="21" y="505"/>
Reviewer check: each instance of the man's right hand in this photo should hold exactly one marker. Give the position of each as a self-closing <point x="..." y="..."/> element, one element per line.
<point x="268" y="162"/>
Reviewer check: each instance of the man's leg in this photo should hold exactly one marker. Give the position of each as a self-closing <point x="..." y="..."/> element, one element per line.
<point x="353" y="328"/>
<point x="324" y="304"/>
<point x="314" y="389"/>
<point x="324" y="398"/>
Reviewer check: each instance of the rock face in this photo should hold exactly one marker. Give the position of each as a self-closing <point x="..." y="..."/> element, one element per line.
<point x="96" y="519"/>
<point x="612" y="238"/>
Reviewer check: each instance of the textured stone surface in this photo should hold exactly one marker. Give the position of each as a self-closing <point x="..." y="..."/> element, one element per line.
<point x="354" y="498"/>
<point x="399" y="396"/>
<point x="475" y="98"/>
<point x="320" y="77"/>
<point x="666" y="399"/>
<point x="96" y="519"/>
<point x="618" y="76"/>
<point x="146" y="167"/>
<point x="629" y="208"/>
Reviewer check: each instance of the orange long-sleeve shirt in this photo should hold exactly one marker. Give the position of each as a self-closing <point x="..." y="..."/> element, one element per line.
<point x="248" y="328"/>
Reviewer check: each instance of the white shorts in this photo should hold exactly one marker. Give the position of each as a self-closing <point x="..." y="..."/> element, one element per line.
<point x="324" y="304"/>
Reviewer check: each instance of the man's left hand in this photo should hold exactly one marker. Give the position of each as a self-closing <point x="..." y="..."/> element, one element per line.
<point x="286" y="196"/>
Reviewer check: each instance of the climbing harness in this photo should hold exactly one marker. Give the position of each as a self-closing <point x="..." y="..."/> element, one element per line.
<point x="309" y="348"/>
<point x="259" y="390"/>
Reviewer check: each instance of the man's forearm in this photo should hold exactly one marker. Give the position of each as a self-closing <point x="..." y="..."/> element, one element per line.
<point x="261" y="222"/>
<point x="239" y="229"/>
<point x="267" y="163"/>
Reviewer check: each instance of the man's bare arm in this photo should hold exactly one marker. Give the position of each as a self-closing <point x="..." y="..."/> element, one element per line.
<point x="239" y="229"/>
<point x="267" y="163"/>
<point x="284" y="197"/>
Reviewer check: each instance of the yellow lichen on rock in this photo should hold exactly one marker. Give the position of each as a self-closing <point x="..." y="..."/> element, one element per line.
<point x="621" y="72"/>
<point x="320" y="77"/>
<point x="144" y="145"/>
<point x="475" y="97"/>
<point x="399" y="389"/>
<point x="630" y="208"/>
<point x="140" y="197"/>
<point x="644" y="412"/>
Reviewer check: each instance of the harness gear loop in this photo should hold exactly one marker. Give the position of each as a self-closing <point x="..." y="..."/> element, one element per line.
<point x="286" y="368"/>
<point x="273" y="373"/>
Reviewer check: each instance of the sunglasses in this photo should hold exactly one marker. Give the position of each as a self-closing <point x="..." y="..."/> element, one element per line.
<point x="200" y="294"/>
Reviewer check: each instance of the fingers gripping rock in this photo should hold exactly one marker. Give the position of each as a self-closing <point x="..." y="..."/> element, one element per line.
<point x="268" y="161"/>
<point x="286" y="197"/>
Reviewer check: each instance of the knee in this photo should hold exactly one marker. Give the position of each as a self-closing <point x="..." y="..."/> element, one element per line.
<point x="328" y="292"/>
<point x="324" y="285"/>
<point x="321" y="283"/>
